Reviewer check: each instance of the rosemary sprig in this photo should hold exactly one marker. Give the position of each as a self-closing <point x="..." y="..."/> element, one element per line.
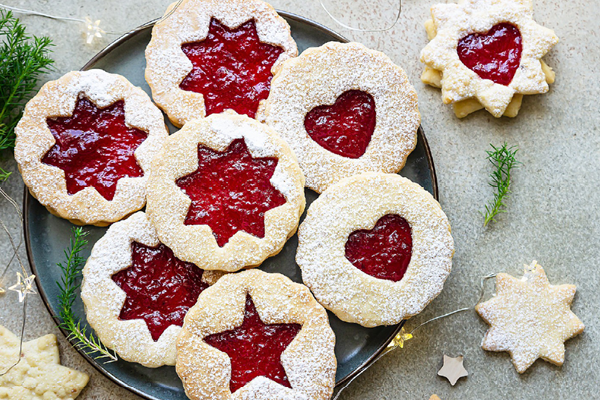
<point x="68" y="285"/>
<point x="503" y="160"/>
<point x="22" y="60"/>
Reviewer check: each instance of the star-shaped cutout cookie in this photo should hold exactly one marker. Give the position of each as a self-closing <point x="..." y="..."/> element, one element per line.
<point x="453" y="369"/>
<point x="472" y="20"/>
<point x="39" y="374"/>
<point x="530" y="318"/>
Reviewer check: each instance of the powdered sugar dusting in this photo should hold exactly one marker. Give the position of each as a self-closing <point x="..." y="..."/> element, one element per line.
<point x="530" y="318"/>
<point x="103" y="299"/>
<point x="34" y="140"/>
<point x="452" y="22"/>
<point x="358" y="203"/>
<point x="168" y="205"/>
<point x="167" y="65"/>
<point x="318" y="77"/>
<point x="309" y="361"/>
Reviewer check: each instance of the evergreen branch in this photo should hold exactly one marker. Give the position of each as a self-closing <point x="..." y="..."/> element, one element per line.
<point x="68" y="286"/>
<point x="4" y="175"/>
<point x="22" y="60"/>
<point x="503" y="160"/>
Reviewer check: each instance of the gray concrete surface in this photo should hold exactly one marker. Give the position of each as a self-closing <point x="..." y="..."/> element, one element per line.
<point x="553" y="213"/>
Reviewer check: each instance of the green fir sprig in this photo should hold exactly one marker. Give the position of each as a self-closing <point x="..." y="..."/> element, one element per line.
<point x="503" y="160"/>
<point x="4" y="175"/>
<point x="23" y="59"/>
<point x="68" y="286"/>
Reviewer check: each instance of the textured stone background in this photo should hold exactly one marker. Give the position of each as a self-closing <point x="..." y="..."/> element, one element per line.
<point x="554" y="211"/>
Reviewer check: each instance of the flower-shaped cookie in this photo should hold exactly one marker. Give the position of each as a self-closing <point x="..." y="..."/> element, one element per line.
<point x="487" y="54"/>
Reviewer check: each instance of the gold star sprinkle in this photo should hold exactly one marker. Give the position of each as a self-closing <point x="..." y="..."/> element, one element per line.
<point x="529" y="318"/>
<point x="24" y="286"/>
<point x="92" y="30"/>
<point x="453" y="369"/>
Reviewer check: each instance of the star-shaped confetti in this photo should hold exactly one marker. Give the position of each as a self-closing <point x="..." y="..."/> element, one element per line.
<point x="453" y="369"/>
<point x="231" y="191"/>
<point x="95" y="147"/>
<point x="39" y="375"/>
<point x="530" y="318"/>
<point x="255" y="348"/>
<point x="24" y="286"/>
<point x="231" y="68"/>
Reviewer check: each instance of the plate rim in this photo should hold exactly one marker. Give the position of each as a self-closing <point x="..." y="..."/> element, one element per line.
<point x="27" y="198"/>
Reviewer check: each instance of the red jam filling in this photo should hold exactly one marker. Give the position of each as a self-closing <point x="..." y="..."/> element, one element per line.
<point x="344" y="128"/>
<point x="160" y="288"/>
<point x="231" y="191"/>
<point x="494" y="55"/>
<point x="231" y="68"/>
<point x="255" y="348"/>
<point x="94" y="147"/>
<point x="384" y="251"/>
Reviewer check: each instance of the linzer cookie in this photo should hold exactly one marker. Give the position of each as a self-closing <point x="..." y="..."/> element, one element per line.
<point x="226" y="192"/>
<point x="259" y="336"/>
<point x="85" y="146"/>
<point x="344" y="110"/>
<point x="487" y="54"/>
<point x="213" y="55"/>
<point x="136" y="292"/>
<point x="375" y="249"/>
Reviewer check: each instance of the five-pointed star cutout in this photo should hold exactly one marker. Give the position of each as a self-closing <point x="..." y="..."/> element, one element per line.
<point x="231" y="68"/>
<point x="530" y="318"/>
<point x="24" y="286"/>
<point x="39" y="373"/>
<point x="231" y="191"/>
<point x="453" y="369"/>
<point x="95" y="147"/>
<point x="255" y="348"/>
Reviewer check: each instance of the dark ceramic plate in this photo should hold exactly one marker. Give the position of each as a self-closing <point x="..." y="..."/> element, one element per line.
<point x="47" y="236"/>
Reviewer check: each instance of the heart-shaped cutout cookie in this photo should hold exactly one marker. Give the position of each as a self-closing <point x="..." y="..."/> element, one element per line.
<point x="494" y="55"/>
<point x="344" y="128"/>
<point x="383" y="252"/>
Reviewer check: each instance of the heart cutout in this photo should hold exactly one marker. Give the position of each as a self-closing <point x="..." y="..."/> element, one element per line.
<point x="494" y="55"/>
<point x="344" y="128"/>
<point x="383" y="252"/>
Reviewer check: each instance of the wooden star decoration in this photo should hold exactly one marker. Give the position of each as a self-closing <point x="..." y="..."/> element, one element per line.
<point x="24" y="286"/>
<point x="453" y="369"/>
<point x="39" y="374"/>
<point x="529" y="318"/>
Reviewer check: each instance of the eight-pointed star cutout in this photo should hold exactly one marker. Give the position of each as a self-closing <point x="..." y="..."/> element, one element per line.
<point x="530" y="318"/>
<point x="94" y="147"/>
<point x="255" y="348"/>
<point x="231" y="68"/>
<point x="231" y="191"/>
<point x="39" y="373"/>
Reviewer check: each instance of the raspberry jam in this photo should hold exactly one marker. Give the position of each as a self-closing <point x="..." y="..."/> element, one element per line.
<point x="344" y="128"/>
<point x="160" y="288"/>
<point x="231" y="191"/>
<point x="94" y="147"/>
<point x="494" y="55"/>
<point x="231" y="68"/>
<point x="255" y="348"/>
<point x="384" y="251"/>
